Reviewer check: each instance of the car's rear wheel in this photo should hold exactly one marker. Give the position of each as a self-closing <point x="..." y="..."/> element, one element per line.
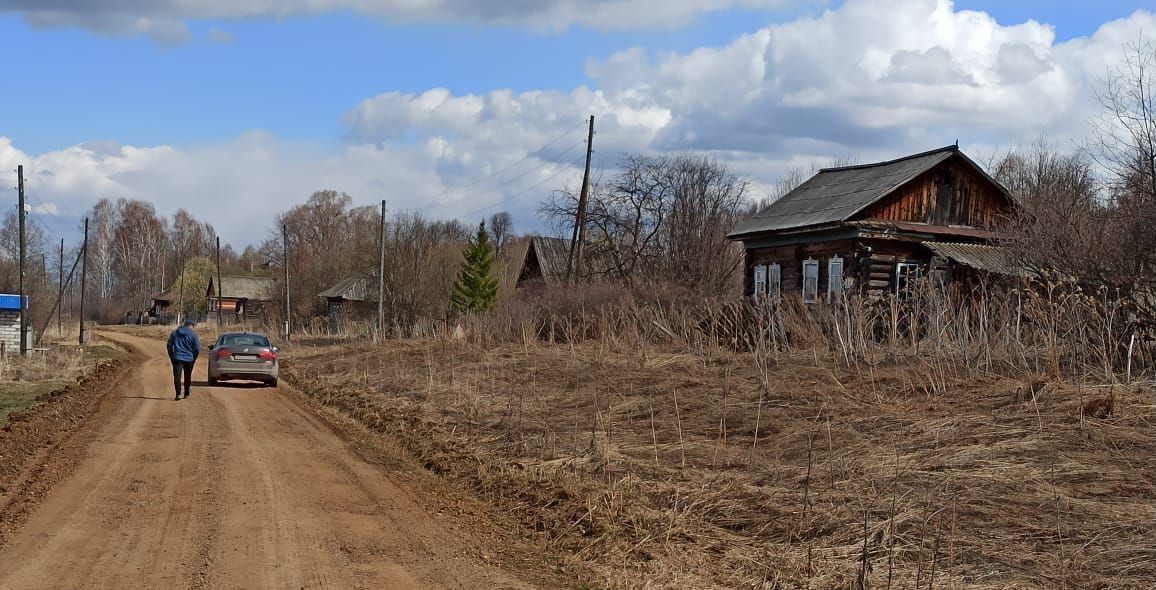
<point x="271" y="383"/>
<point x="212" y="381"/>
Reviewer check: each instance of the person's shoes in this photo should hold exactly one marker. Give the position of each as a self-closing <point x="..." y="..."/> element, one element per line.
<point x="186" y="395"/>
<point x="177" y="399"/>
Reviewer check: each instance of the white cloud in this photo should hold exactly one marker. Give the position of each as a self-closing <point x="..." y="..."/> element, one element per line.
<point x="220" y="36"/>
<point x="165" y="19"/>
<point x="871" y="80"/>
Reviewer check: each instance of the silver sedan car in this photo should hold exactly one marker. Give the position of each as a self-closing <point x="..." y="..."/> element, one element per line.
<point x="243" y="356"/>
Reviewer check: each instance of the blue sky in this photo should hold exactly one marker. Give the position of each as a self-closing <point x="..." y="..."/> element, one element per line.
<point x="317" y="86"/>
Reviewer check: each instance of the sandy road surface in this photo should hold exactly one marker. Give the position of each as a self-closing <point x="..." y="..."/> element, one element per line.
<point x="231" y="488"/>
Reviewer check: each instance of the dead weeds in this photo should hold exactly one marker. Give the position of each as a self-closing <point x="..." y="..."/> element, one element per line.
<point x="661" y="469"/>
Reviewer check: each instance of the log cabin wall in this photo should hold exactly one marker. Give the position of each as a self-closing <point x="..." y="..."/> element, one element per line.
<point x="790" y="260"/>
<point x="952" y="193"/>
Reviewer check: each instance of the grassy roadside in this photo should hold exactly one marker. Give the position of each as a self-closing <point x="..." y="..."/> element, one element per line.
<point x="24" y="382"/>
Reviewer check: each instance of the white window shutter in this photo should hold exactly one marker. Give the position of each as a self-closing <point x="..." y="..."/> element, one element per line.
<point x="774" y="280"/>
<point x="810" y="280"/>
<point x="834" y="278"/>
<point x="760" y="280"/>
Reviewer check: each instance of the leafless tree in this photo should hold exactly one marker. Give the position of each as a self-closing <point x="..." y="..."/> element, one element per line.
<point x="1124" y="144"/>
<point x="1061" y="219"/>
<point x="501" y="228"/>
<point x="661" y="218"/>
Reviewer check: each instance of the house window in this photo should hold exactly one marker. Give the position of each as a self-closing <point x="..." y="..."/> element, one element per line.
<point x="834" y="279"/>
<point x="774" y="280"/>
<point x="810" y="280"/>
<point x="907" y="275"/>
<point x="760" y="281"/>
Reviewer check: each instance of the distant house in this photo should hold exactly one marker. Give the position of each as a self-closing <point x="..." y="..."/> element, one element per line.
<point x="537" y="260"/>
<point x="352" y="297"/>
<point x="241" y="298"/>
<point x="161" y="309"/>
<point x="879" y="227"/>
<point x="10" y="323"/>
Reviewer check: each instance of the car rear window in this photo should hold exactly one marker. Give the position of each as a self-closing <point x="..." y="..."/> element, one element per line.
<point x="244" y="340"/>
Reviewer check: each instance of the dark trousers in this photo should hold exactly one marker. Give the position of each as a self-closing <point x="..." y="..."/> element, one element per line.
<point x="182" y="368"/>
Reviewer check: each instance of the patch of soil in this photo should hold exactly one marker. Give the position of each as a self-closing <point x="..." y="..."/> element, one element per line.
<point x="35" y="452"/>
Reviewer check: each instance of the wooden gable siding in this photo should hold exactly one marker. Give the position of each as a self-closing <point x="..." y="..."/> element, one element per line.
<point x="952" y="193"/>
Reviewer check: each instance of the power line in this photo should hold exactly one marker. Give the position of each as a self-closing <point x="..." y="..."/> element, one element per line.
<point x="514" y="196"/>
<point x="501" y="184"/>
<point x="529" y="154"/>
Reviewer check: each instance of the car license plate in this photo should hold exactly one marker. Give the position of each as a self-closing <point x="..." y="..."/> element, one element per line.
<point x="245" y="357"/>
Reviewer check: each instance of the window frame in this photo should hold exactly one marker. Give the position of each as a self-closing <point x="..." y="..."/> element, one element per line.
<point x="810" y="284"/>
<point x="834" y="280"/>
<point x="775" y="281"/>
<point x="760" y="280"/>
<point x="904" y="292"/>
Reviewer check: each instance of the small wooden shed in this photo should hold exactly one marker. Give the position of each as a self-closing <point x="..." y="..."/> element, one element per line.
<point x="353" y="297"/>
<point x="877" y="227"/>
<point x="242" y="298"/>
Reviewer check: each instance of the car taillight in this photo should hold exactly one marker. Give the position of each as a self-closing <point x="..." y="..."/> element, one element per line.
<point x="268" y="355"/>
<point x="223" y="353"/>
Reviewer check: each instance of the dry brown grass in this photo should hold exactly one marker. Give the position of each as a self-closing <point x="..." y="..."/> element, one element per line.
<point x="814" y="454"/>
<point x="25" y="380"/>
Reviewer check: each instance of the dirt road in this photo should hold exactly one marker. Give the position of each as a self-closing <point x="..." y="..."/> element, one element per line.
<point x="231" y="488"/>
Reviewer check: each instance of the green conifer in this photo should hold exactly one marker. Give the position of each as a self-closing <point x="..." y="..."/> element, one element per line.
<point x="476" y="288"/>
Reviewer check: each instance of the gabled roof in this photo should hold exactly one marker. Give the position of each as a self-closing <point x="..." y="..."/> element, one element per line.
<point x="354" y="288"/>
<point x="251" y="288"/>
<point x="835" y="195"/>
<point x="553" y="256"/>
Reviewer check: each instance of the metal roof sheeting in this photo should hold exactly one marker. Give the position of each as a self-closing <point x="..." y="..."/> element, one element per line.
<point x="991" y="259"/>
<point x="835" y="194"/>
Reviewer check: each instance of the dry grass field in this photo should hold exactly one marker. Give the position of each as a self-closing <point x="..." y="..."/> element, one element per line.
<point x="55" y="365"/>
<point x="651" y="465"/>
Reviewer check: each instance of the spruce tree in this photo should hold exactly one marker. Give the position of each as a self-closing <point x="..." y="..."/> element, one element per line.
<point x="476" y="288"/>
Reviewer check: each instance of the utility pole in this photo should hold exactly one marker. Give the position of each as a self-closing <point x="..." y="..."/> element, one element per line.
<point x="285" y="267"/>
<point x="219" y="288"/>
<point x="83" y="278"/>
<point x="381" y="274"/>
<point x="23" y="252"/>
<point x="60" y="294"/>
<point x="578" y="241"/>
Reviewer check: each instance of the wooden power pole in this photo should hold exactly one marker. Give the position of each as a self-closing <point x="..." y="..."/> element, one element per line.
<point x="381" y="274"/>
<point x="285" y="268"/>
<point x="60" y="294"/>
<point x="578" y="241"/>
<point x="219" y="289"/>
<point x="21" y="212"/>
<point x="83" y="279"/>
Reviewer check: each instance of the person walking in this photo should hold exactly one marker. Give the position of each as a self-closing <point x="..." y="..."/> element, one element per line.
<point x="184" y="348"/>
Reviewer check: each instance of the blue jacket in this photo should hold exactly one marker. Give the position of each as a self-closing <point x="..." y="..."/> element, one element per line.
<point x="184" y="345"/>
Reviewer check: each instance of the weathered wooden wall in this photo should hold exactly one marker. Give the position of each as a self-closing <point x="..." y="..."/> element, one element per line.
<point x="871" y="262"/>
<point x="952" y="193"/>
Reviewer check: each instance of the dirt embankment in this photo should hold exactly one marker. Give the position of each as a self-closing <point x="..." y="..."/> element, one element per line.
<point x="32" y="459"/>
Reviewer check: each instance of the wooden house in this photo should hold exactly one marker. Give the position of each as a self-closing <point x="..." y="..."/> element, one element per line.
<point x="241" y="298"/>
<point x="354" y="297"/>
<point x="878" y="227"/>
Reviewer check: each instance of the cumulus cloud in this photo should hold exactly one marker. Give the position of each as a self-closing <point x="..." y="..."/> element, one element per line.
<point x="165" y="19"/>
<point x="870" y="80"/>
